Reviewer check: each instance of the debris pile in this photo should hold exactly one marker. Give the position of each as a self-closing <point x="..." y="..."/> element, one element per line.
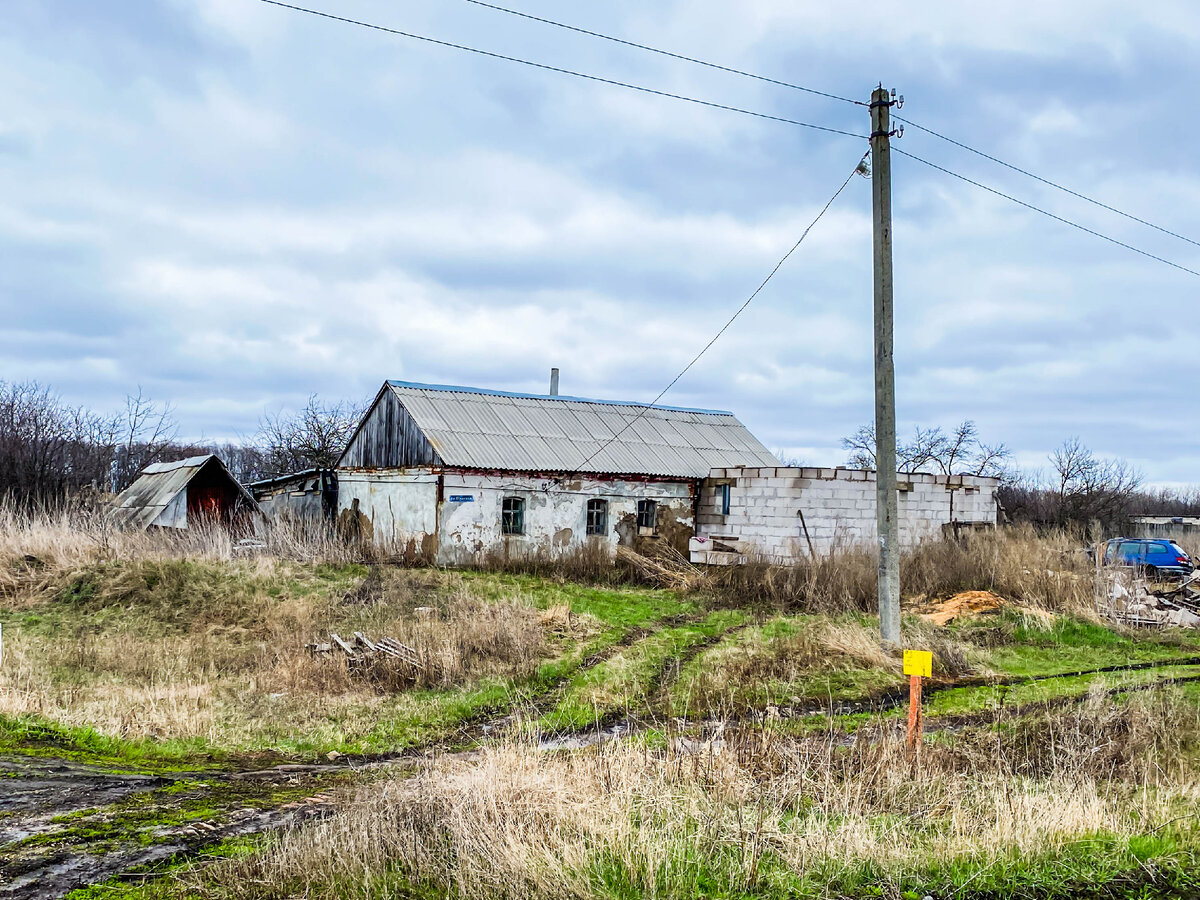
<point x="364" y="648"/>
<point x="1131" y="600"/>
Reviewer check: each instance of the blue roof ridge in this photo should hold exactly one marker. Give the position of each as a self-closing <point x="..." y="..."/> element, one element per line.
<point x="460" y="389"/>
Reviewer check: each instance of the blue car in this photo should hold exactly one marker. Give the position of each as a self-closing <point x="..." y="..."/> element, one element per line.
<point x="1156" y="558"/>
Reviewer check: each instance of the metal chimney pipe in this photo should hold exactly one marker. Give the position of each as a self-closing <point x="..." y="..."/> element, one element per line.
<point x="554" y="382"/>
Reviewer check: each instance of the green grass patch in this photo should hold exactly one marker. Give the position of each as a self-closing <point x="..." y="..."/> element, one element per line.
<point x="1016" y="645"/>
<point x="965" y="700"/>
<point x="625" y="682"/>
<point x="29" y="735"/>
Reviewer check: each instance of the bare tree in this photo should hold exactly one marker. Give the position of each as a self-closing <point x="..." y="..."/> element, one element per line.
<point x="311" y="439"/>
<point x="959" y="453"/>
<point x="1091" y="488"/>
<point x="148" y="431"/>
<point x="48" y="449"/>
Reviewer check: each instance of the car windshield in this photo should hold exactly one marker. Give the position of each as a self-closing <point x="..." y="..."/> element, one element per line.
<point x="1177" y="549"/>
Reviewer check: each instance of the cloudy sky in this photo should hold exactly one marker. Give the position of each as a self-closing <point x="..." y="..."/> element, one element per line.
<point x="235" y="205"/>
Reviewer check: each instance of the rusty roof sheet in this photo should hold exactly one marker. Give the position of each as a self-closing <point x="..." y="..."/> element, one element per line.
<point x="481" y="429"/>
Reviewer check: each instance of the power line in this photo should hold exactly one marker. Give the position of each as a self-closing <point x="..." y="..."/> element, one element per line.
<point x="808" y="90"/>
<point x="741" y="309"/>
<point x="562" y="71"/>
<point x="1038" y="209"/>
<point x="1046" y="181"/>
<point x="689" y="59"/>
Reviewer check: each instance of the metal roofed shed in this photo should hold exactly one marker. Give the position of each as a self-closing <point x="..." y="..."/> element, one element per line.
<point x="413" y="424"/>
<point x="185" y="493"/>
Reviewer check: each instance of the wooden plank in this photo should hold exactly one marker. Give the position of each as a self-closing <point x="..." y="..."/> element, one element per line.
<point x="346" y="648"/>
<point x="364" y="641"/>
<point x="403" y="651"/>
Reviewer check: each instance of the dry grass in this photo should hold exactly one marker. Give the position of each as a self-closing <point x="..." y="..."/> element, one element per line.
<point x="1041" y="570"/>
<point x="755" y="813"/>
<point x="150" y="645"/>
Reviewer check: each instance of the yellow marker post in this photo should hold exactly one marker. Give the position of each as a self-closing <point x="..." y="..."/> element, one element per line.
<point x="917" y="664"/>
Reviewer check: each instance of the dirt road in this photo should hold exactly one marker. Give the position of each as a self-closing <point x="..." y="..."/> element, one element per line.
<point x="65" y="824"/>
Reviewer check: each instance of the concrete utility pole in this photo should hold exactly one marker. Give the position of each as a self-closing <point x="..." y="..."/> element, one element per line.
<point x="886" y="500"/>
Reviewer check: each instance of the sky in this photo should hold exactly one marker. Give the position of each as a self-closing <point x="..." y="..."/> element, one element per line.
<point x="234" y="206"/>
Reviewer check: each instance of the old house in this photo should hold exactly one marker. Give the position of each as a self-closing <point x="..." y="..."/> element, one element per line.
<point x="458" y="473"/>
<point x="184" y="494"/>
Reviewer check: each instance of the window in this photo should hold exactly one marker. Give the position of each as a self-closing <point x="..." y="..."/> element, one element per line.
<point x="1129" y="553"/>
<point x="723" y="498"/>
<point x="647" y="515"/>
<point x="597" y="516"/>
<point x="512" y="515"/>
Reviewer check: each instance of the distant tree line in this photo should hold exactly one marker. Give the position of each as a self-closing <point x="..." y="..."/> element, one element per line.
<point x="1078" y="488"/>
<point x="51" y="450"/>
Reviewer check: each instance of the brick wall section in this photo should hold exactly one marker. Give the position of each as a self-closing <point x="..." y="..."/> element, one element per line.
<point x="838" y="506"/>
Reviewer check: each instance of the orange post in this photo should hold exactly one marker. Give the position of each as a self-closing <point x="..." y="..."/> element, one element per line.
<point x="918" y="664"/>
<point x="914" y="712"/>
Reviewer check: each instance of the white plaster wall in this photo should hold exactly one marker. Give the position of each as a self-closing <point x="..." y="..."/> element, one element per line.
<point x="838" y="507"/>
<point x="555" y="515"/>
<point x="401" y="504"/>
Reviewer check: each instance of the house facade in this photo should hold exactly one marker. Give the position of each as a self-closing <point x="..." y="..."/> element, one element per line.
<point x="460" y="474"/>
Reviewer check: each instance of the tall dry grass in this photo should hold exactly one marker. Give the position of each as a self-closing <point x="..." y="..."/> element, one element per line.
<point x="753" y="814"/>
<point x="1048" y="571"/>
<point x="148" y="644"/>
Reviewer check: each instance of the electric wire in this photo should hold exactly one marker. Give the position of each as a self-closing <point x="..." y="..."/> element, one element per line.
<point x="1045" y="181"/>
<point x="808" y="90"/>
<point x="1038" y="209"/>
<point x="562" y="71"/>
<point x="741" y="309"/>
<point x="679" y="56"/>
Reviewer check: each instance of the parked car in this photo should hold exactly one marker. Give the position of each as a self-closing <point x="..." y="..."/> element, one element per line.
<point x="1156" y="558"/>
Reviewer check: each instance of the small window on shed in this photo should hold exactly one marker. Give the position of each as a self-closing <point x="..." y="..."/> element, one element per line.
<point x="723" y="492"/>
<point x="512" y="515"/>
<point x="647" y="516"/>
<point x="597" y="516"/>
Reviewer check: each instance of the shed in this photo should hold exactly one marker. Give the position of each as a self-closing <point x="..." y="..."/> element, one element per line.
<point x="185" y="493"/>
<point x="304" y="497"/>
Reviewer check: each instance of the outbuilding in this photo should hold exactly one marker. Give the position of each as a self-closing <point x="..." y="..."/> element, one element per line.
<point x="183" y="494"/>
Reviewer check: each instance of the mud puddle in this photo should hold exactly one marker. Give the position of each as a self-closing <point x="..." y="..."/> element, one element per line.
<point x="66" y="825"/>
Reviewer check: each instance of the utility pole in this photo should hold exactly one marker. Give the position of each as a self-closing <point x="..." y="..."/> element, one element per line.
<point x="886" y="499"/>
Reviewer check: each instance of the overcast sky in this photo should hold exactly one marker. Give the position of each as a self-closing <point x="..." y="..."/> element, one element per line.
<point x="235" y="205"/>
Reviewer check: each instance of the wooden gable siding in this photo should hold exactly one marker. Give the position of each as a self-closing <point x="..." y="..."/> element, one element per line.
<point x="388" y="438"/>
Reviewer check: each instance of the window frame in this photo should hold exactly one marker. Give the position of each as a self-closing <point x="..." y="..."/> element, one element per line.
<point x="512" y="520"/>
<point x="647" y="509"/>
<point x="724" y="491"/>
<point x="596" y="516"/>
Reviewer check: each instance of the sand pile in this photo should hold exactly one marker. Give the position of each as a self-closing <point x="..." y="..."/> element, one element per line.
<point x="968" y="603"/>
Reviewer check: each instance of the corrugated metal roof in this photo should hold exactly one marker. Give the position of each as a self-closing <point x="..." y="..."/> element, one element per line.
<point x="481" y="429"/>
<point x="158" y="484"/>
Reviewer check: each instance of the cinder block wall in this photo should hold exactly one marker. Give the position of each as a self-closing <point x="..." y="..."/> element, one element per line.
<point x="769" y="507"/>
